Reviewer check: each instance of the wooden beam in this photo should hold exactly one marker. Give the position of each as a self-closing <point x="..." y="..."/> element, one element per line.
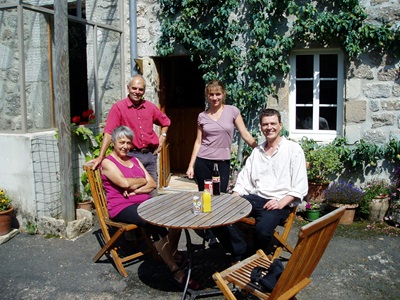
<point x="62" y="99"/>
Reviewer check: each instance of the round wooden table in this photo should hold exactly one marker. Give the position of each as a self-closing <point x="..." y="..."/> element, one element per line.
<point x="176" y="211"/>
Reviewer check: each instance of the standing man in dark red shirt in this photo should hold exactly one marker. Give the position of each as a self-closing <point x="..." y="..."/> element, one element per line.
<point x="139" y="115"/>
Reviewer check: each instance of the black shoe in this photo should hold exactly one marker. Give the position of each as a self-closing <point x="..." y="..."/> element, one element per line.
<point x="213" y="243"/>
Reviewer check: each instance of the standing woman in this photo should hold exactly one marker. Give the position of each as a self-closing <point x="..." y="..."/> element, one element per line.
<point x="215" y="128"/>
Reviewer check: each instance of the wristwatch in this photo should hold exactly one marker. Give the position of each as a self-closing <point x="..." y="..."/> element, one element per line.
<point x="163" y="134"/>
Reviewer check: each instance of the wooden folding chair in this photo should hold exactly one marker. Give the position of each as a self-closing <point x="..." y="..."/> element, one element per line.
<point x="108" y="226"/>
<point x="312" y="242"/>
<point x="281" y="239"/>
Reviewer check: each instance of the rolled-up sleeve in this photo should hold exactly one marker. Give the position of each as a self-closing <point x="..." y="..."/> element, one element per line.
<point x="299" y="176"/>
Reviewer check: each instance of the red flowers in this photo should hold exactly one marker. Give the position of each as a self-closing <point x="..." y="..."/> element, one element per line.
<point x="76" y="119"/>
<point x="88" y="117"/>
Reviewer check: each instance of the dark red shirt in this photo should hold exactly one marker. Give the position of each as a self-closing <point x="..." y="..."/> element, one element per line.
<point x="140" y="119"/>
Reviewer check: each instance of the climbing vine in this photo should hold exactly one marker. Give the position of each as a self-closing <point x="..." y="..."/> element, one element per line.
<point x="247" y="43"/>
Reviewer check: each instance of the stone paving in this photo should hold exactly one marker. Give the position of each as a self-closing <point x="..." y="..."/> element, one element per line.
<point x="35" y="267"/>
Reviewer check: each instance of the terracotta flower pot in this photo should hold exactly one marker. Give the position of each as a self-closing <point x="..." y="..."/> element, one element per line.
<point x="5" y="220"/>
<point x="87" y="205"/>
<point x="349" y="213"/>
<point x="316" y="191"/>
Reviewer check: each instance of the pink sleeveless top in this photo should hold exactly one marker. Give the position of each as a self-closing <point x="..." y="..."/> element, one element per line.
<point x="116" y="202"/>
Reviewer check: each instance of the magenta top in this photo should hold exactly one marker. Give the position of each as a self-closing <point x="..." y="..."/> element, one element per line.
<point x="217" y="135"/>
<point x="116" y="202"/>
<point x="140" y="119"/>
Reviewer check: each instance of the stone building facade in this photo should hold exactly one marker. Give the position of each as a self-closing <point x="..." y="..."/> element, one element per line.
<point x="370" y="108"/>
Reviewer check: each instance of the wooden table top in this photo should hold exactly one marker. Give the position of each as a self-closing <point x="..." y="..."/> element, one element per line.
<point x="175" y="211"/>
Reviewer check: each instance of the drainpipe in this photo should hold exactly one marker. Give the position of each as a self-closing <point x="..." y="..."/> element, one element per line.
<point x="133" y="35"/>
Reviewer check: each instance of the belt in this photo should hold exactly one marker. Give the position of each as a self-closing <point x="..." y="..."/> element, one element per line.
<point x="144" y="150"/>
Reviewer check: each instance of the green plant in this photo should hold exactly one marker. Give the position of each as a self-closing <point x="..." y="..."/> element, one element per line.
<point x="31" y="228"/>
<point x="5" y="201"/>
<point x="376" y="187"/>
<point x="80" y="197"/>
<point x="366" y="153"/>
<point x="340" y="192"/>
<point x="246" y="44"/>
<point x="373" y="189"/>
<point x="391" y="150"/>
<point x="312" y="205"/>
<point x="323" y="162"/>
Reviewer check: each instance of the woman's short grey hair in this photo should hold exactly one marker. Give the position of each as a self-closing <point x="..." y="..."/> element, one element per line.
<point x="121" y="131"/>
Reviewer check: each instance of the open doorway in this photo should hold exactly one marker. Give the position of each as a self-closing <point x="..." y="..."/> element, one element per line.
<point x="182" y="95"/>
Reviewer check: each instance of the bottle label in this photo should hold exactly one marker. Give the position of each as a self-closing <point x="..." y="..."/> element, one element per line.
<point x="208" y="185"/>
<point x="197" y="205"/>
<point x="216" y="179"/>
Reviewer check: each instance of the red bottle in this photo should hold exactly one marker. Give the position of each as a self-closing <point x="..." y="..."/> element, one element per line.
<point x="216" y="179"/>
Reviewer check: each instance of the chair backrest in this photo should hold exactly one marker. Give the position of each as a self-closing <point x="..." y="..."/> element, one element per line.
<point x="98" y="194"/>
<point x="312" y="242"/>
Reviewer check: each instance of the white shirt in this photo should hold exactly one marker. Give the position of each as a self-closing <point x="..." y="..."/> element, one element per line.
<point x="273" y="177"/>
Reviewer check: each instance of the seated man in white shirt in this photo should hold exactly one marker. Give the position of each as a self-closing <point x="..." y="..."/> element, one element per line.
<point x="273" y="179"/>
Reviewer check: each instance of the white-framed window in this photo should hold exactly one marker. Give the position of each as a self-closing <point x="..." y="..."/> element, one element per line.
<point x="316" y="94"/>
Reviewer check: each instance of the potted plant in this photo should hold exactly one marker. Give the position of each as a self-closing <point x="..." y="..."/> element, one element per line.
<point x="83" y="201"/>
<point x="323" y="161"/>
<point x="376" y="199"/>
<point x="312" y="210"/>
<point x="6" y="212"/>
<point x="340" y="193"/>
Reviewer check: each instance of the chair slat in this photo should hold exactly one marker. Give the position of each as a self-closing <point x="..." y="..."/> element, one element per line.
<point x="312" y="242"/>
<point x="110" y="241"/>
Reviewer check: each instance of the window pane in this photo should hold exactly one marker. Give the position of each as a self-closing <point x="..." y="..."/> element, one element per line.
<point x="77" y="68"/>
<point x="105" y="12"/>
<point x="10" y="108"/>
<point x="328" y="65"/>
<point x="304" y="66"/>
<point x="109" y="70"/>
<point x="76" y="9"/>
<point x="304" y="92"/>
<point x="328" y="92"/>
<point x="304" y="118"/>
<point x="37" y="74"/>
<point x="327" y="118"/>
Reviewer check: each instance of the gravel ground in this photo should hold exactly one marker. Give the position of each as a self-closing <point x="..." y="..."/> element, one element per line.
<point x="358" y="264"/>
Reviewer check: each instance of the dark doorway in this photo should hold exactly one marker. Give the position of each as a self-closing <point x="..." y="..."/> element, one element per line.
<point x="182" y="95"/>
<point x="77" y="68"/>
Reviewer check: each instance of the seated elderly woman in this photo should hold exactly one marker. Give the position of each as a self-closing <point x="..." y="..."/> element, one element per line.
<point x="127" y="184"/>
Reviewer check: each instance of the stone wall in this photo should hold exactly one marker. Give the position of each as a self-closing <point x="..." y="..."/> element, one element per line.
<point x="372" y="90"/>
<point x="372" y="102"/>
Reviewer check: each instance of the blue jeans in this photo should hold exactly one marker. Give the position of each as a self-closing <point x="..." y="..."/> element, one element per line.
<point x="266" y="221"/>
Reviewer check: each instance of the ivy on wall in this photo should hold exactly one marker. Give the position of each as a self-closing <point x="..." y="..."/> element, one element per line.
<point x="246" y="44"/>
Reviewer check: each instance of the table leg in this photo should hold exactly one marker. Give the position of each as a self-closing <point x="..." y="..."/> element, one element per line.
<point x="190" y="255"/>
<point x="193" y="294"/>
